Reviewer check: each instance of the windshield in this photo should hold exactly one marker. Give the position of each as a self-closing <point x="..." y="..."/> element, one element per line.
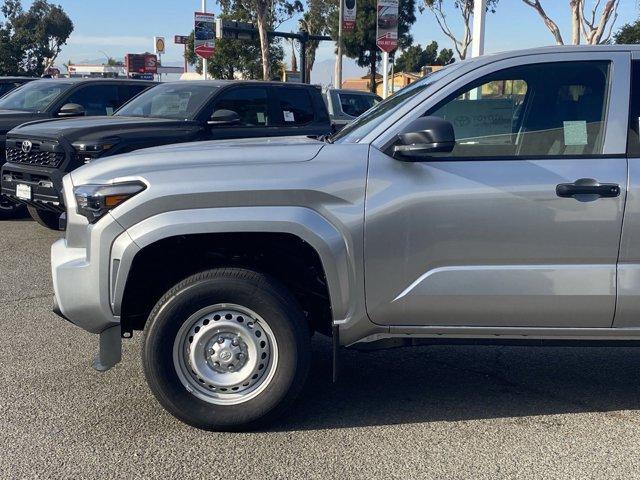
<point x="366" y="123"/>
<point x="34" y="96"/>
<point x="174" y="101"/>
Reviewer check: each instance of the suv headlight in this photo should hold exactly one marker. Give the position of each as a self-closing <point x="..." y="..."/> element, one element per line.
<point x="94" y="201"/>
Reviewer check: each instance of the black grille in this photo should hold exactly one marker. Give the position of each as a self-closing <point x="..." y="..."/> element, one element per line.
<point x="35" y="157"/>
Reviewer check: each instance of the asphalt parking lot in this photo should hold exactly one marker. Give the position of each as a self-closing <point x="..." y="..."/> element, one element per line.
<point x="425" y="412"/>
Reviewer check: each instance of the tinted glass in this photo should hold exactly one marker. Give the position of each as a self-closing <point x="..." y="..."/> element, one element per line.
<point x="250" y="103"/>
<point x="7" y="87"/>
<point x="296" y="106"/>
<point x="366" y="123"/>
<point x="34" y="96"/>
<point x="127" y="92"/>
<point x="96" y="99"/>
<point x="170" y="100"/>
<point x="355" y="105"/>
<point x="524" y="111"/>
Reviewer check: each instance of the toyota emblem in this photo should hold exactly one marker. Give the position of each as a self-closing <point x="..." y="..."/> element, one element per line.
<point x="27" y="146"/>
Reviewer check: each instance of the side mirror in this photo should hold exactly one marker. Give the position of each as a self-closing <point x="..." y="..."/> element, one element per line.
<point x="224" y="118"/>
<point x="72" y="110"/>
<point x="424" y="137"/>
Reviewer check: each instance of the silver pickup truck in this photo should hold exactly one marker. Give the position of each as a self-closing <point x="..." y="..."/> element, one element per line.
<point x="496" y="200"/>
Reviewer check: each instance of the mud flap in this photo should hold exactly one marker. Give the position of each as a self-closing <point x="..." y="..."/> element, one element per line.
<point x="110" y="350"/>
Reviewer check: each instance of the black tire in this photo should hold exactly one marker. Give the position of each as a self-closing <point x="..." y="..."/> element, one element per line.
<point x="46" y="218"/>
<point x="10" y="209"/>
<point x="263" y="295"/>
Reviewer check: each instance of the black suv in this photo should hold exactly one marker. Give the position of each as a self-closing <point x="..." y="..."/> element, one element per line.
<point x="56" y="98"/>
<point x="41" y="153"/>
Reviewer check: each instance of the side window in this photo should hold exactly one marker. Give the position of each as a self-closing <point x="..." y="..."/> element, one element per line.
<point x="295" y="105"/>
<point x="633" y="146"/>
<point x="127" y="92"/>
<point x="7" y="87"/>
<point x="96" y="99"/>
<point x="525" y="111"/>
<point x="354" y="104"/>
<point x="250" y="103"/>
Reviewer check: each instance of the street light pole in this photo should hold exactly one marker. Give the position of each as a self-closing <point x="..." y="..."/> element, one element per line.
<point x="337" y="80"/>
<point x="479" y="15"/>
<point x="204" y="60"/>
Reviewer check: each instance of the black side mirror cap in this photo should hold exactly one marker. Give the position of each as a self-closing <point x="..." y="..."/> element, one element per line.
<point x="424" y="137"/>
<point x="224" y="118"/>
<point x="72" y="110"/>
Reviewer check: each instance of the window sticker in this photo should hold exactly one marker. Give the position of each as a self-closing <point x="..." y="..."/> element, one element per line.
<point x="575" y="133"/>
<point x="289" y="116"/>
<point x="261" y="117"/>
<point x="109" y="111"/>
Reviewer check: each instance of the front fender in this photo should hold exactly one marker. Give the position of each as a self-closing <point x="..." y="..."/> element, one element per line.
<point x="334" y="247"/>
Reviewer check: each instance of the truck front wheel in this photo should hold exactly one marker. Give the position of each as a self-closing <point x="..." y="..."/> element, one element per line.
<point x="226" y="349"/>
<point x="46" y="218"/>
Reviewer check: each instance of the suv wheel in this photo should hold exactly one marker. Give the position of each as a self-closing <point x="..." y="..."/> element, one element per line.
<point x="226" y="349"/>
<point x="45" y="218"/>
<point x="10" y="209"/>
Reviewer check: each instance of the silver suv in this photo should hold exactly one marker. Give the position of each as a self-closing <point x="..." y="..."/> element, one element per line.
<point x="485" y="202"/>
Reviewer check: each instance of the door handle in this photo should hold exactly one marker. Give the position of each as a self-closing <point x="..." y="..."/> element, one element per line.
<point x="588" y="186"/>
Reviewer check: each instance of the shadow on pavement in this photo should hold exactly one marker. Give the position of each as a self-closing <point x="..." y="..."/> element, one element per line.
<point x="451" y="383"/>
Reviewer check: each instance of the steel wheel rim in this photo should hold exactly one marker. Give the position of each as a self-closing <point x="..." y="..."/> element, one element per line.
<point x="225" y="354"/>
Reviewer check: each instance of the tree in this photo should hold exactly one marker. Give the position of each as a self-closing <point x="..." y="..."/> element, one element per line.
<point x="628" y="33"/>
<point x="316" y="21"/>
<point x="593" y="28"/>
<point x="267" y="15"/>
<point x="465" y="8"/>
<point x="30" y="41"/>
<point x="414" y="58"/>
<point x="236" y="58"/>
<point x="360" y="43"/>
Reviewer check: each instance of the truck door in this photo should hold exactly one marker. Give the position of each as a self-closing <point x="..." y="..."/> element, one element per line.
<point x="510" y="228"/>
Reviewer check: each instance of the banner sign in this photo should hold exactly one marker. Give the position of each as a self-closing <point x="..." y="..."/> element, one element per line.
<point x="349" y="15"/>
<point x="180" y="39"/>
<point x="387" y="36"/>
<point x="205" y="34"/>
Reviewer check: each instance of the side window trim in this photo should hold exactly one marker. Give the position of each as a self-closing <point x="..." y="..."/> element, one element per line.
<point x="615" y="142"/>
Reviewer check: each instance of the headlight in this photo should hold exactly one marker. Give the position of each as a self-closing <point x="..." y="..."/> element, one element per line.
<point x="86" y="152"/>
<point x="94" y="201"/>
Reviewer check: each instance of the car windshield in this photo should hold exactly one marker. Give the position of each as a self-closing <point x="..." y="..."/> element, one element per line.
<point x="175" y="101"/>
<point x="366" y="123"/>
<point x="34" y="96"/>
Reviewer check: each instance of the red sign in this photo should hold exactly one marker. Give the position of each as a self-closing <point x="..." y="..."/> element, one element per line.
<point x="204" y="34"/>
<point x="387" y="37"/>
<point x="141" y="63"/>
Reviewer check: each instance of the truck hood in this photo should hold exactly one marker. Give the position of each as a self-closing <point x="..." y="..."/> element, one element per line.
<point x="199" y="155"/>
<point x="74" y="129"/>
<point x="11" y="118"/>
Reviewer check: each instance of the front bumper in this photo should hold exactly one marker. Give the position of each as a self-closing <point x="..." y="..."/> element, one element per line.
<point x="81" y="271"/>
<point x="45" y="183"/>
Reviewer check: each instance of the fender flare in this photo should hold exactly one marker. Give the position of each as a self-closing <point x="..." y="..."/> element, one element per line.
<point x="332" y="246"/>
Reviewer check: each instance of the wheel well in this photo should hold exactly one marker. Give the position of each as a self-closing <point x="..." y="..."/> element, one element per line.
<point x="291" y="260"/>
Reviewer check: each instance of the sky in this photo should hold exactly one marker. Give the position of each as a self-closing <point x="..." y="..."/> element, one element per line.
<point x="116" y="27"/>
